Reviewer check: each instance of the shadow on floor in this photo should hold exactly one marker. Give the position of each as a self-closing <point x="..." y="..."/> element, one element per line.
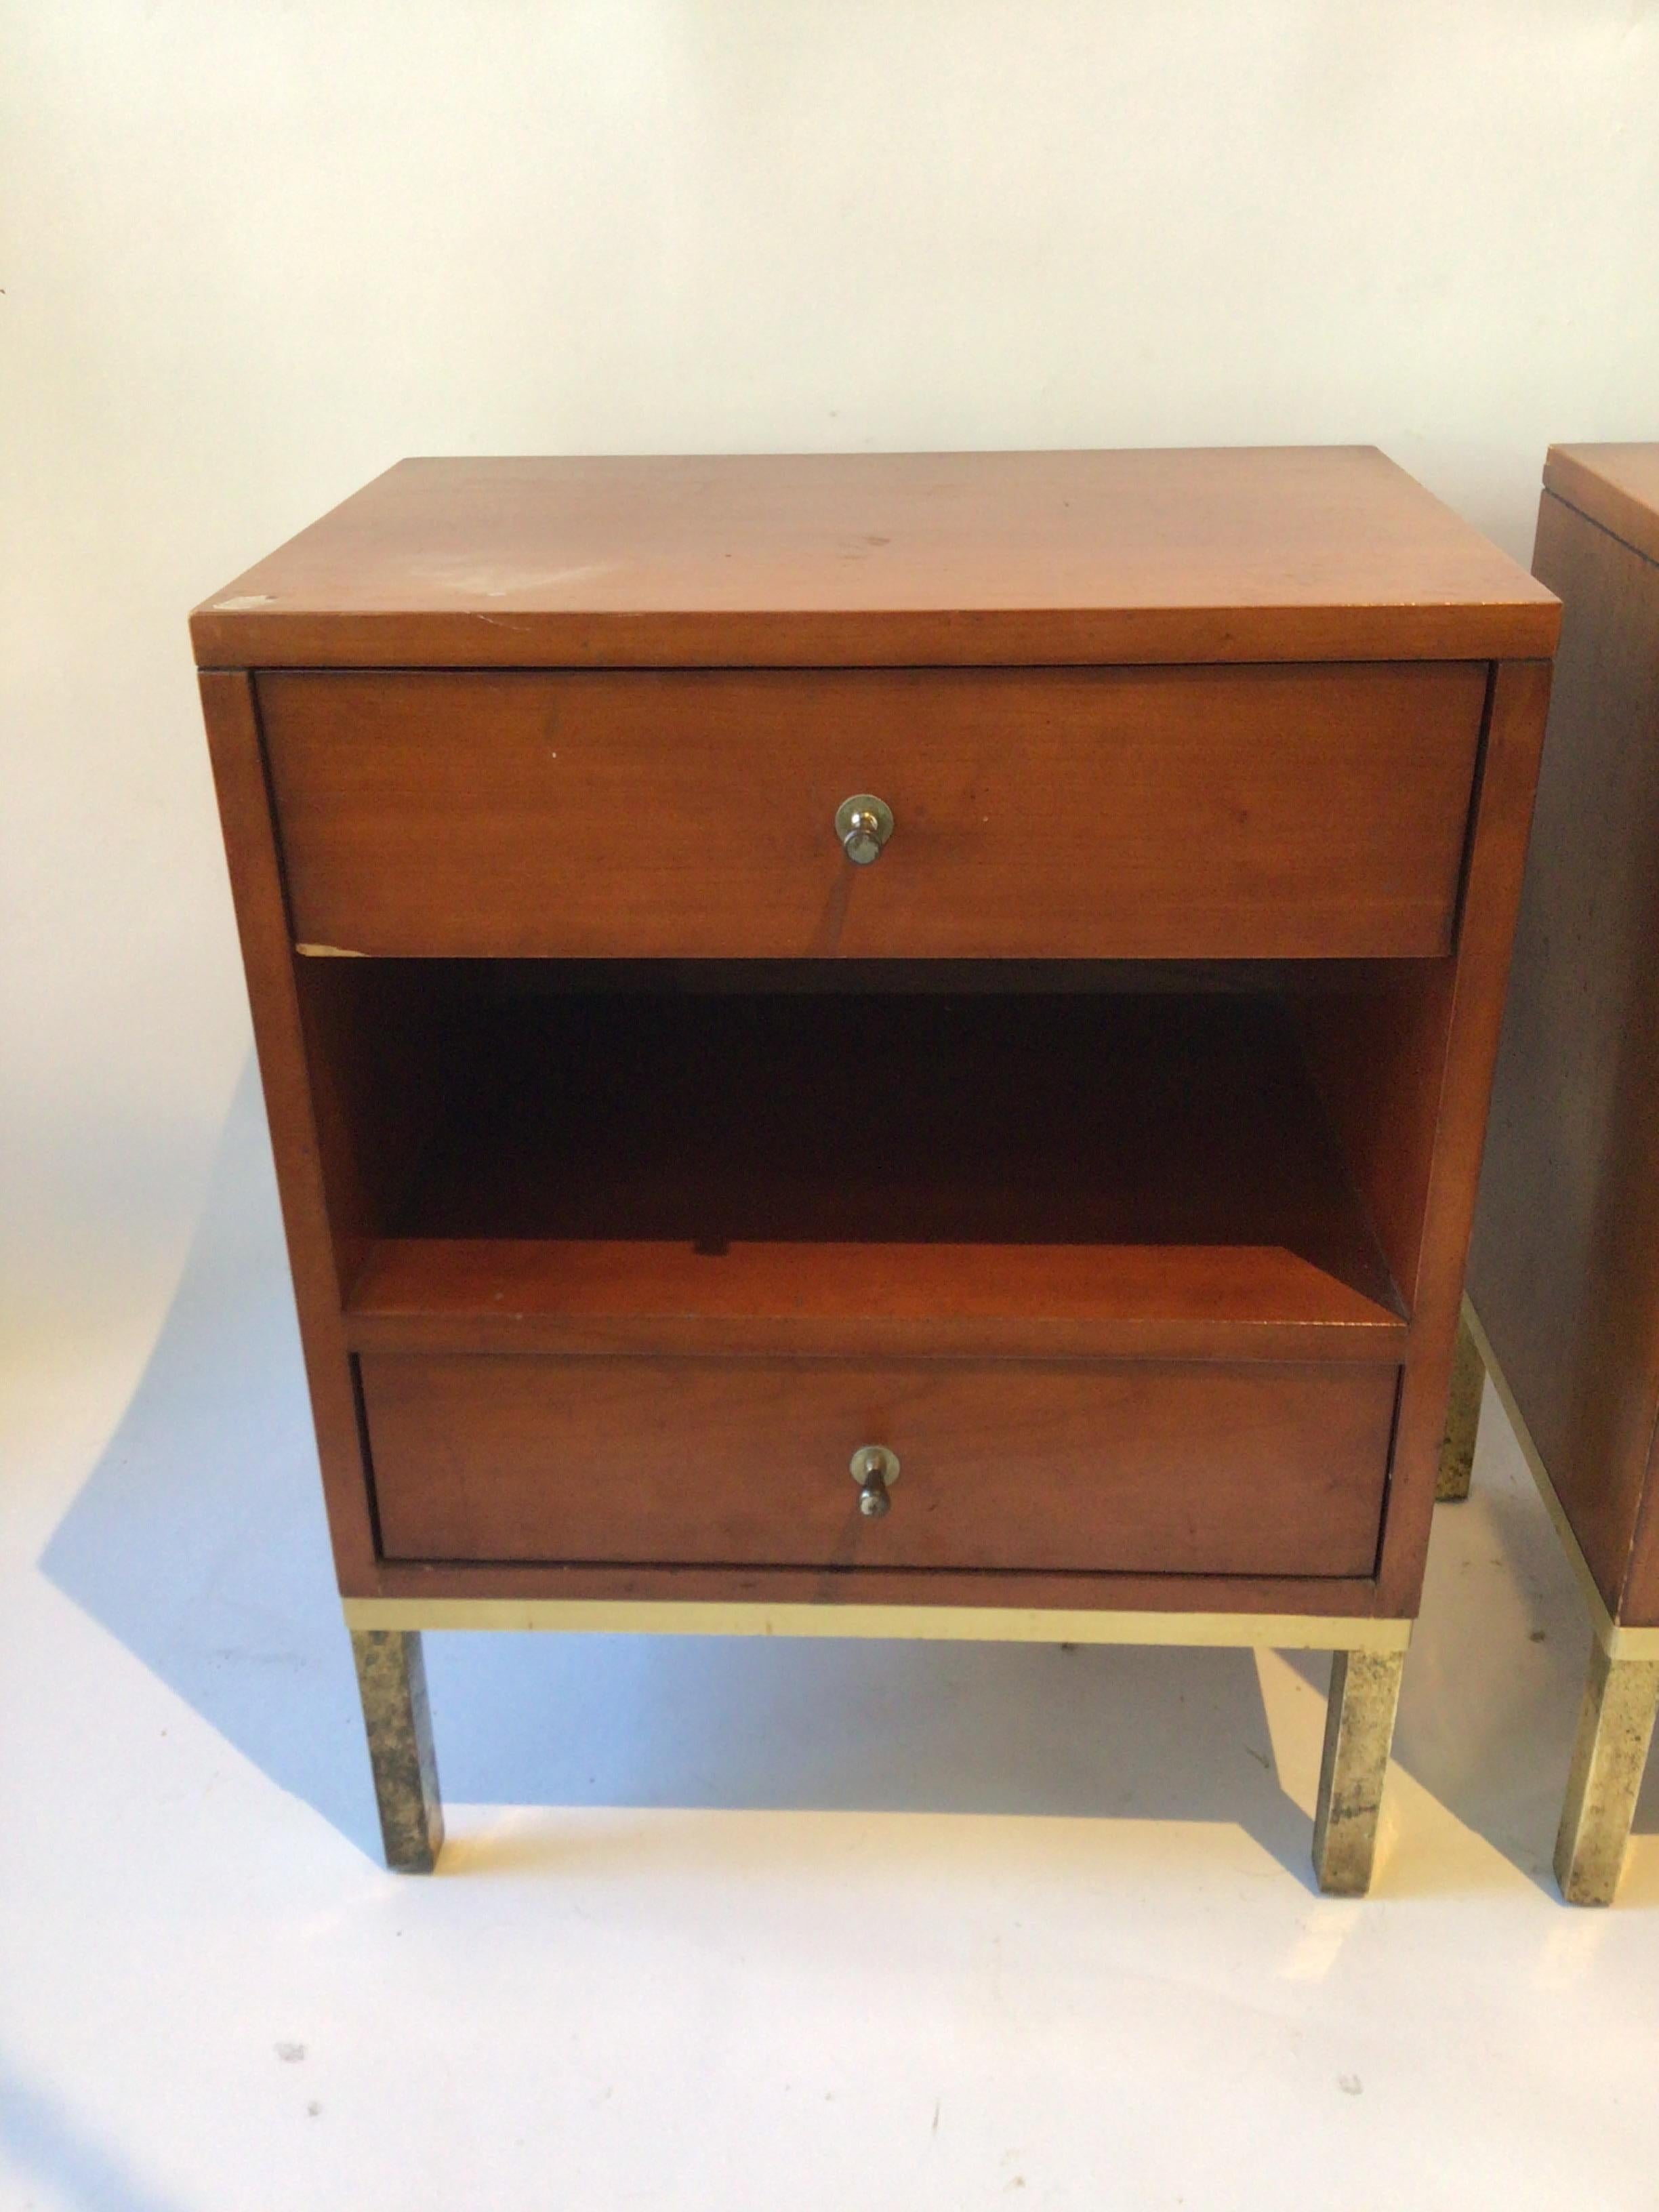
<point x="198" y="1541"/>
<point x="43" y="2139"/>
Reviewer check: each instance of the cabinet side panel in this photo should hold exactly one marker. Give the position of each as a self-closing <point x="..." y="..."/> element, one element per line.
<point x="1407" y="1079"/>
<point x="1640" y="1604"/>
<point x="383" y="1041"/>
<point x="268" y="957"/>
<point x="1565" y="1267"/>
<point x="1377" y="1052"/>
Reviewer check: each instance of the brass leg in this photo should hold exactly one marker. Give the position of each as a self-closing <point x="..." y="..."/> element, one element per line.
<point x="1615" y="1725"/>
<point x="392" y="1677"/>
<point x="1358" y="1731"/>
<point x="1463" y="1419"/>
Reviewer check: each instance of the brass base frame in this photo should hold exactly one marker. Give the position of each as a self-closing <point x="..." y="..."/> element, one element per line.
<point x="1616" y="1719"/>
<point x="954" y="1624"/>
<point x="1369" y="1658"/>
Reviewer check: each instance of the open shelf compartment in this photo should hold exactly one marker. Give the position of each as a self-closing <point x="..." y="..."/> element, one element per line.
<point x="617" y="1158"/>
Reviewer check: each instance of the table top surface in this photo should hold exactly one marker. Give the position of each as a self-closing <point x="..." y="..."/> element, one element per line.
<point x="1229" y="554"/>
<point x="1617" y="486"/>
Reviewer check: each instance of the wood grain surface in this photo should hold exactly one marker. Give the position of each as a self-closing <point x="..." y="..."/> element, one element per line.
<point x="1150" y="1301"/>
<point x="1616" y="486"/>
<point x="324" y="1205"/>
<point x="1564" y="1269"/>
<point x="1233" y="554"/>
<point x="1337" y="1596"/>
<point x="717" y="1156"/>
<point x="610" y="1298"/>
<point x="1019" y="1465"/>
<point x="1205" y="813"/>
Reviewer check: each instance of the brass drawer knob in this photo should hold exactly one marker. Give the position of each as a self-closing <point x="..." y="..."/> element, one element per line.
<point x="875" y="1470"/>
<point x="864" y="824"/>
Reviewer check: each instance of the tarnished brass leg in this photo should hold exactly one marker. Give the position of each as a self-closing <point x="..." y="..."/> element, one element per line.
<point x="1358" y="1731"/>
<point x="1615" y="1726"/>
<point x="1462" y="1418"/>
<point x="392" y="1677"/>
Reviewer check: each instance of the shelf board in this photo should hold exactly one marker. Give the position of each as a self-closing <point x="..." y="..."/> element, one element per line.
<point x="1175" y="1302"/>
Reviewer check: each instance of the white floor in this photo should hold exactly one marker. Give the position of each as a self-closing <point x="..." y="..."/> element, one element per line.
<point x="743" y="1925"/>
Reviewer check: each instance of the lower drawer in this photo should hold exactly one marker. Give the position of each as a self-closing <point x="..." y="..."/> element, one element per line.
<point x="1103" y="1466"/>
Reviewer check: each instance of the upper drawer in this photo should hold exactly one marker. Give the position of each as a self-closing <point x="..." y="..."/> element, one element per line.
<point x="1205" y="813"/>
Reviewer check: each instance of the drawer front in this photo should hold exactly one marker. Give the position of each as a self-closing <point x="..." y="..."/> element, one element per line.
<point x="1086" y="1467"/>
<point x="1120" y="813"/>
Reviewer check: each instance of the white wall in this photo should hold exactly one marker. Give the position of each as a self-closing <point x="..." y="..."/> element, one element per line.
<point x="254" y="251"/>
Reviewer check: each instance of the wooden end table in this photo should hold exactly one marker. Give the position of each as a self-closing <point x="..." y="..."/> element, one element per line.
<point x="887" y="1045"/>
<point x="1563" y="1274"/>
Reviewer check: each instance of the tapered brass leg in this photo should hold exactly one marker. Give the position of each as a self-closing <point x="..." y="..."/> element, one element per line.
<point x="1358" y="1732"/>
<point x="1462" y="1418"/>
<point x="392" y="1677"/>
<point x="1615" y="1726"/>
